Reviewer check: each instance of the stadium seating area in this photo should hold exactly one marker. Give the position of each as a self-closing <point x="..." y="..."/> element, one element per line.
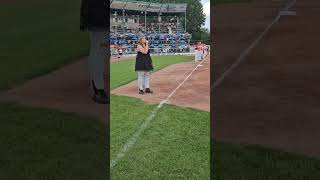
<point x="164" y="42"/>
<point x="162" y="24"/>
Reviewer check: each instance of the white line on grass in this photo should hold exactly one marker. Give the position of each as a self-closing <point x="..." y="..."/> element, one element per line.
<point x="133" y="139"/>
<point x="247" y="51"/>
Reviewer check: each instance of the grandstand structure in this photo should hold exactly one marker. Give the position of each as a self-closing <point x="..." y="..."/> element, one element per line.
<point x="164" y="25"/>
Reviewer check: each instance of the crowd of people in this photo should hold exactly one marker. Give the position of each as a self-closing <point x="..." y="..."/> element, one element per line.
<point x="158" y="42"/>
<point x="165" y="27"/>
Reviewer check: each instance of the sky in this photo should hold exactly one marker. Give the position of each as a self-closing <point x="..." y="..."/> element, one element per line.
<point x="206" y="11"/>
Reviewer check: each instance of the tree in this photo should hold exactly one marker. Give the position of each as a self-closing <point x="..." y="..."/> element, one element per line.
<point x="195" y="16"/>
<point x="203" y="35"/>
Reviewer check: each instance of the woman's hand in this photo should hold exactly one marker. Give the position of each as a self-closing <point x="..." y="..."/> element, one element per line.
<point x="143" y="50"/>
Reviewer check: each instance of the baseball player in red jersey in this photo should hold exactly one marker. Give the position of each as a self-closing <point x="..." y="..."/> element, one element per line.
<point x="198" y="51"/>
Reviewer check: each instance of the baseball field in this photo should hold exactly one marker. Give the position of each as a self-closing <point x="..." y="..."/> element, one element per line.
<point x="50" y="129"/>
<point x="264" y="89"/>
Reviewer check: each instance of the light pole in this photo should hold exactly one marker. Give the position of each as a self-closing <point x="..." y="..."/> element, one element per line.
<point x="123" y="20"/>
<point x="159" y="21"/>
<point x="116" y="21"/>
<point x="185" y="21"/>
<point x="139" y="20"/>
<point x="145" y="21"/>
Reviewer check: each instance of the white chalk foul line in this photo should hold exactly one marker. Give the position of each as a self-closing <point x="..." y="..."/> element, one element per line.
<point x="248" y="50"/>
<point x="133" y="139"/>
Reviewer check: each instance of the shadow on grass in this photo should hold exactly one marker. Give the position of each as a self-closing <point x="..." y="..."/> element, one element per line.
<point x="250" y="162"/>
<point x="46" y="144"/>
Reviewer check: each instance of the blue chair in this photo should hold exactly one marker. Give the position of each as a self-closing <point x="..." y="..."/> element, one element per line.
<point x="182" y="42"/>
<point x="162" y="37"/>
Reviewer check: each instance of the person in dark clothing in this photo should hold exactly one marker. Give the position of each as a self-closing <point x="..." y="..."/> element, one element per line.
<point x="94" y="18"/>
<point x="143" y="65"/>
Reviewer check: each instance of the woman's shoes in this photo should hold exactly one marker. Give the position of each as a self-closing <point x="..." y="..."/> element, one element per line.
<point x="141" y="91"/>
<point x="101" y="97"/>
<point x="147" y="91"/>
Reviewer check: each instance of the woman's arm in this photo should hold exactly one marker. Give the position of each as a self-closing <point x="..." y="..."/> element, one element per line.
<point x="143" y="50"/>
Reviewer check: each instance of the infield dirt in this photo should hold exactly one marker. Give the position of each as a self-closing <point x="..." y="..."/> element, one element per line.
<point x="194" y="93"/>
<point x="271" y="99"/>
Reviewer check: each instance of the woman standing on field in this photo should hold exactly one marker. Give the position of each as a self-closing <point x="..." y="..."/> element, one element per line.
<point x="143" y="66"/>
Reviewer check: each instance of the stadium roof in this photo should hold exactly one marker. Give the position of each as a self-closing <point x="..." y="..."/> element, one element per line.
<point x="149" y="6"/>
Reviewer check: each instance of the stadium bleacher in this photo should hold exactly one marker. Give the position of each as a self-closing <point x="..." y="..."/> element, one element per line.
<point x="157" y="42"/>
<point x="164" y="31"/>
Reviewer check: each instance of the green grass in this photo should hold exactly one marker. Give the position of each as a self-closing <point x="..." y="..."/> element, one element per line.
<point x="248" y="162"/>
<point x="175" y="146"/>
<point x="122" y="72"/>
<point x="37" y="37"/>
<point x="50" y="145"/>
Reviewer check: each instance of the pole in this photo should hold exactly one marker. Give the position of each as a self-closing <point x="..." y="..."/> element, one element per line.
<point x="159" y="21"/>
<point x="185" y="21"/>
<point x="145" y="21"/>
<point x="116" y="22"/>
<point x="123" y="21"/>
<point x="139" y="22"/>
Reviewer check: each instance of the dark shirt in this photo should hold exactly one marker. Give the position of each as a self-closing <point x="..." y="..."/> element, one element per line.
<point x="94" y="15"/>
<point x="143" y="62"/>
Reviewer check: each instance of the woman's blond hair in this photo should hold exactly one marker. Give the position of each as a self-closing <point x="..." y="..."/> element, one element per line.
<point x="140" y="39"/>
